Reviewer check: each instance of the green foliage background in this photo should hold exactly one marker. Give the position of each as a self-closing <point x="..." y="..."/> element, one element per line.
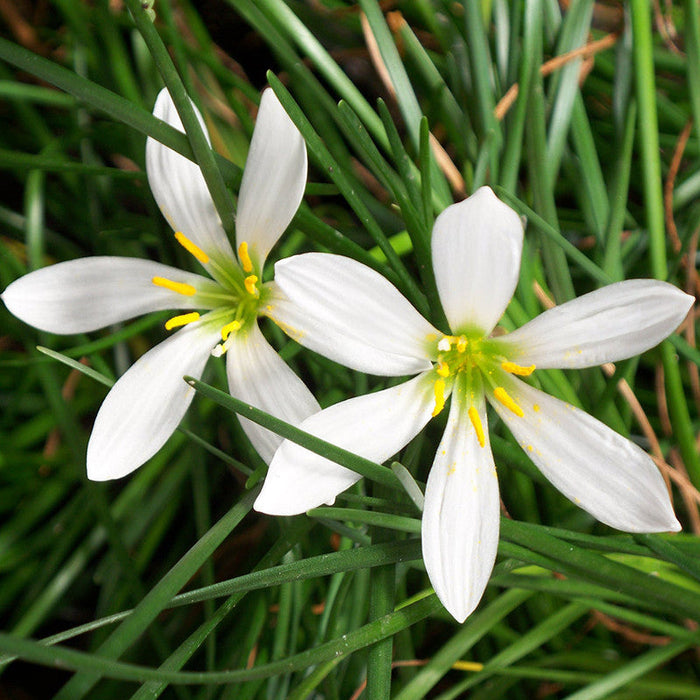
<point x="165" y="583"/>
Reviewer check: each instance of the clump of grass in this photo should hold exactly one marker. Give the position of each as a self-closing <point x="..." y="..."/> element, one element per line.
<point x="167" y="583"/>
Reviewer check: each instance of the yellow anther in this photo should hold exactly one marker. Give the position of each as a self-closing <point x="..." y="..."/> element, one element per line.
<point x="462" y="343"/>
<point x="521" y="371"/>
<point x="505" y="398"/>
<point x="439" y="389"/>
<point x="250" y="287"/>
<point x="230" y="328"/>
<point x="478" y="427"/>
<point x="180" y="287"/>
<point x="182" y="320"/>
<point x="244" y="257"/>
<point x="445" y="344"/>
<point x="191" y="247"/>
<point x="443" y="369"/>
<point x="467" y="666"/>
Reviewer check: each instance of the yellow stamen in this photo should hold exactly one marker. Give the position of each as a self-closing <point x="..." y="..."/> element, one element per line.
<point x="462" y="343"/>
<point x="467" y="666"/>
<point x="439" y="389"/>
<point x="518" y="369"/>
<point x="504" y="397"/>
<point x="180" y="287"/>
<point x="191" y="247"/>
<point x="478" y="427"/>
<point x="246" y="262"/>
<point x="230" y="328"/>
<point x="443" y="369"/>
<point x="250" y="287"/>
<point x="182" y="320"/>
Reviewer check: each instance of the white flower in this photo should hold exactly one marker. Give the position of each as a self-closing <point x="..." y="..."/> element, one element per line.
<point x="351" y="314"/>
<point x="147" y="403"/>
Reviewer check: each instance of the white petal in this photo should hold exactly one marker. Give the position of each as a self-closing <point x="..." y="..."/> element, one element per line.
<point x="461" y="515"/>
<point x="273" y="180"/>
<point x="259" y="376"/>
<point x="346" y="311"/>
<point x="374" y="426"/>
<point x="609" y="324"/>
<point x="145" y="406"/>
<point x="180" y="190"/>
<point x="476" y="257"/>
<point x="595" y="467"/>
<point x="89" y="293"/>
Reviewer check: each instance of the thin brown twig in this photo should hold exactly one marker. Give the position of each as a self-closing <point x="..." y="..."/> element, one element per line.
<point x="629" y="633"/>
<point x="691" y="498"/>
<point x="666" y="27"/>
<point x="691" y="286"/>
<point x="445" y="163"/>
<point x="587" y="51"/>
<point x="660" y="389"/>
<point x="670" y="182"/>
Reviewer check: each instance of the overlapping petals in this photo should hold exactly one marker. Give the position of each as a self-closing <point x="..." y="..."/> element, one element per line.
<point x="609" y="324"/>
<point x="344" y="311"/>
<point x="90" y="293"/>
<point x="147" y="403"/>
<point x="273" y="181"/>
<point x="351" y="314"/>
<point x="598" y="469"/>
<point x="258" y="375"/>
<point x="179" y="188"/>
<point x="374" y="426"/>
<point x="461" y="514"/>
<point x="476" y="248"/>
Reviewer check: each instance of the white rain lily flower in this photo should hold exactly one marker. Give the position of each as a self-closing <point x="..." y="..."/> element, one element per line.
<point x="346" y="311"/>
<point x="147" y="403"/>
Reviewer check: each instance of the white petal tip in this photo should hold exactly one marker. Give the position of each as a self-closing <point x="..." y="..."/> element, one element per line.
<point x="101" y="472"/>
<point x="279" y="499"/>
<point x="272" y="504"/>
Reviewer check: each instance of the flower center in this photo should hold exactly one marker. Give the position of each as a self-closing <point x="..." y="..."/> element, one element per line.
<point x="233" y="301"/>
<point x="481" y="366"/>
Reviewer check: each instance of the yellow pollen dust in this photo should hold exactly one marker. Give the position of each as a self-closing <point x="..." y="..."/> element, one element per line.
<point x="462" y="343"/>
<point x="191" y="247"/>
<point x="443" y="369"/>
<point x="230" y="328"/>
<point x="182" y="320"/>
<point x="521" y="371"/>
<point x="180" y="287"/>
<point x="478" y="427"/>
<point x="250" y="287"/>
<point x="244" y="257"/>
<point x="505" y="398"/>
<point x="536" y="408"/>
<point x="439" y="389"/>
